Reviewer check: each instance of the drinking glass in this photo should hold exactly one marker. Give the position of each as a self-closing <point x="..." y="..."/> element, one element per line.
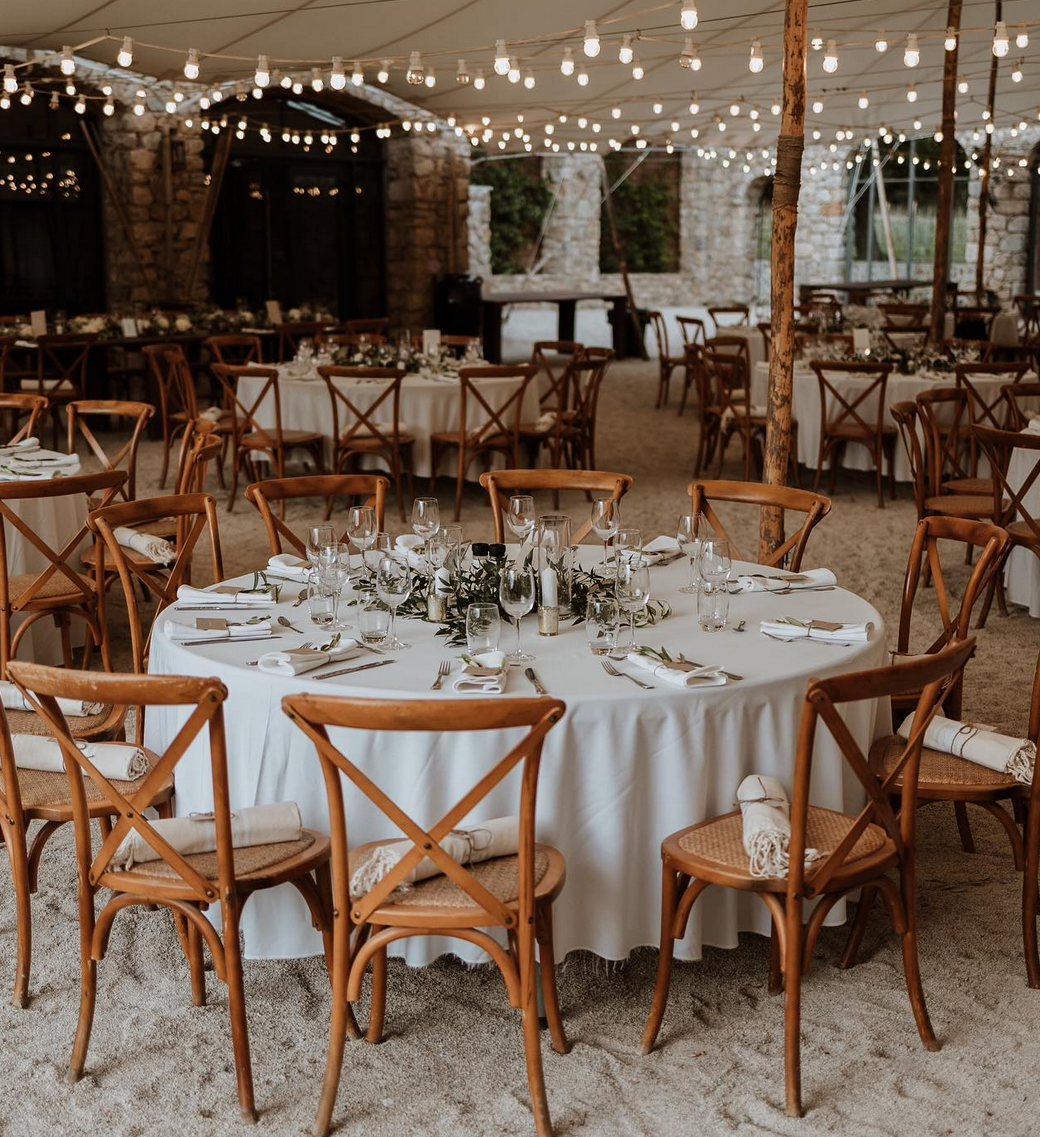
<point x="516" y="595"/>
<point x="374" y="552"/>
<point x="318" y="537"/>
<point x="713" y="560"/>
<point x="483" y="628"/>
<point x="712" y="605"/>
<point x="373" y="623"/>
<point x="601" y="624"/>
<point x="334" y="566"/>
<point x="628" y="546"/>
<point x="361" y="527"/>
<point x="426" y="519"/>
<point x="689" y="532"/>
<point x="632" y="589"/>
<point x="393" y="587"/>
<point x="322" y="599"/>
<point x="520" y="516"/>
<point x="606" y="518"/>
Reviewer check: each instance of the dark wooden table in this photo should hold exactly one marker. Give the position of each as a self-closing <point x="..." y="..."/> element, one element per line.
<point x="855" y="290"/>
<point x="491" y="307"/>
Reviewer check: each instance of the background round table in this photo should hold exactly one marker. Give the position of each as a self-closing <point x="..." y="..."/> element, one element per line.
<point x="622" y="770"/>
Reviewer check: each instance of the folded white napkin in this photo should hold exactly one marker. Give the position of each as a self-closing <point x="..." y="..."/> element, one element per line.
<point x="256" y="825"/>
<point x="659" y="549"/>
<point x="411" y="548"/>
<point x="480" y="841"/>
<point x="26" y="446"/>
<point x="185" y="633"/>
<point x="44" y="459"/>
<point x="213" y="414"/>
<point x="114" y="760"/>
<point x="1014" y="756"/>
<point x="297" y="660"/>
<point x="156" y="549"/>
<point x="678" y="673"/>
<point x="766" y="814"/>
<point x="287" y="566"/>
<point x="13" y="700"/>
<point x="487" y="673"/>
<point x="787" y="627"/>
<point x="1034" y="425"/>
<point x="765" y="582"/>
<point x="224" y="596"/>
<point x="545" y="422"/>
<point x="17" y="473"/>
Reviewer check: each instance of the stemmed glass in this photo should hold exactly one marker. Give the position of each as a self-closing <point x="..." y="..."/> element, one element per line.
<point x="689" y="532"/>
<point x="426" y="519"/>
<point x="605" y="519"/>
<point x="393" y="587"/>
<point x="334" y="570"/>
<point x="714" y="561"/>
<point x="319" y="537"/>
<point x="361" y="527"/>
<point x="628" y="546"/>
<point x="632" y="589"/>
<point x="516" y="595"/>
<point x="520" y="516"/>
<point x="378" y="548"/>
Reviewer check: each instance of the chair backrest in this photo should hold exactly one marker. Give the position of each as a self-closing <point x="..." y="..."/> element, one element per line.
<point x="82" y="412"/>
<point x="660" y="333"/>
<point x="200" y="444"/>
<point x="741" y="311"/>
<point x="586" y="377"/>
<point x="765" y="329"/>
<point x="6" y="343"/>
<point x="815" y="507"/>
<point x="1011" y="497"/>
<point x="290" y="334"/>
<point x="495" y="407"/>
<point x="824" y="699"/>
<point x="370" y="326"/>
<point x="897" y="316"/>
<point x="727" y="381"/>
<point x="502" y="484"/>
<point x="731" y="345"/>
<point x="860" y="405"/>
<point x="692" y="329"/>
<point x="1016" y="395"/>
<point x="1028" y="305"/>
<point x="61" y="364"/>
<point x="244" y="417"/>
<point x="378" y="418"/>
<point x="315" y="714"/>
<point x="552" y="359"/>
<point x="943" y="417"/>
<point x="238" y="350"/>
<point x="908" y="423"/>
<point x="984" y="385"/>
<point x="906" y="337"/>
<point x="371" y="487"/>
<point x="13" y="406"/>
<point x="43" y="686"/>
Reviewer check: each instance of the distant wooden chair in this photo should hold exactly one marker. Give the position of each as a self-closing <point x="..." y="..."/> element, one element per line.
<point x="856" y="851"/>
<point x="728" y="384"/>
<point x="291" y="332"/>
<point x="61" y="371"/>
<point x="235" y="350"/>
<point x="815" y="507"/>
<point x="575" y="435"/>
<point x="132" y="417"/>
<point x="514" y="894"/>
<point x="692" y="329"/>
<point x="1027" y="304"/>
<point x="1023" y="404"/>
<point x="185" y="884"/>
<point x="13" y="407"/>
<point x="502" y="484"/>
<point x="741" y="314"/>
<point x="694" y="376"/>
<point x="370" y="326"/>
<point x="371" y="487"/>
<point x="552" y="361"/>
<point x="987" y="404"/>
<point x="666" y="362"/>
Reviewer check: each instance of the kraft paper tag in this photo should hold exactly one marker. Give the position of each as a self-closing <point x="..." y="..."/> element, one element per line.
<point x="481" y="672"/>
<point x="211" y="624"/>
<point x="38" y="322"/>
<point x="274" y="312"/>
<point x="431" y="340"/>
<point x="226" y="590"/>
<point x="825" y="625"/>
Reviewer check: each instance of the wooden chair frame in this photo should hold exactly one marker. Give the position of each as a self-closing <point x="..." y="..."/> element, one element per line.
<point x="35" y="405"/>
<point x="370" y="325"/>
<point x="291" y="332"/>
<point x="502" y="483"/>
<point x="79" y="414"/>
<point x="666" y="362"/>
<point x="692" y="329"/>
<point x="1017" y="416"/>
<point x="364" y="926"/>
<point x="372" y="487"/>
<point x="984" y="410"/>
<point x="740" y="310"/>
<point x="575" y="444"/>
<point x="238" y="349"/>
<point x="728" y="378"/>
<point x="61" y="370"/>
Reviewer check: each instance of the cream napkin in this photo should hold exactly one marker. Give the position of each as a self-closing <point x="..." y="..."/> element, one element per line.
<point x="545" y="422"/>
<point x="26" y="446"/>
<point x="38" y="459"/>
<point x="411" y="548"/>
<point x="659" y="549"/>
<point x="487" y="674"/>
<point x="1014" y="756"/>
<point x="678" y="672"/>
<point x="114" y="760"/>
<point x="256" y="825"/>
<point x="213" y="414"/>
<point x="287" y="566"/>
<point x="481" y="841"/>
<point x="298" y="660"/>
<point x="157" y="549"/>
<point x="766" y="814"/>
<point x="224" y="596"/>
<point x="185" y="633"/>
<point x="13" y="700"/>
<point x="789" y="628"/>
<point x="814" y="578"/>
<point x="1034" y="425"/>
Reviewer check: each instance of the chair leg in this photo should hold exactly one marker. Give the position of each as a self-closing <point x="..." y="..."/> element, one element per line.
<point x="237" y="1010"/>
<point x="550" y="997"/>
<point x="911" y="965"/>
<point x="23" y="907"/>
<point x="859" y="926"/>
<point x="87" y="983"/>
<point x="960" y="811"/>
<point x="793" y="1010"/>
<point x="377" y="1007"/>
<point x="662" y="984"/>
<point x="776" y="971"/>
<point x="196" y="966"/>
<point x="1029" y="893"/>
<point x="532" y="1035"/>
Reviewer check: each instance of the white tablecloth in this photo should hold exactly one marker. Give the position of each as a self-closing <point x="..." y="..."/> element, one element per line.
<point x="756" y="344"/>
<point x="621" y="771"/>
<point x="1022" y="572"/>
<point x="427" y="405"/>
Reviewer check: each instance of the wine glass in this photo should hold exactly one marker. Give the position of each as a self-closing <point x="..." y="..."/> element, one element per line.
<point x="373" y="553"/>
<point x="361" y="527"/>
<point x="714" y="561"/>
<point x="426" y="518"/>
<point x="601" y="624"/>
<point x="628" y="546"/>
<point x="516" y="595"/>
<point x="319" y="537"/>
<point x="605" y="519"/>
<point x="483" y="628"/>
<point x="688" y="533"/>
<point x="632" y="589"/>
<point x="520" y="516"/>
<point x="334" y="569"/>
<point x="393" y="587"/>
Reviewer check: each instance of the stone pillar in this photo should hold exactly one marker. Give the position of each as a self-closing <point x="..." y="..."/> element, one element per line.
<point x="479" y="230"/>
<point x="570" y="248"/>
<point x="820" y="242"/>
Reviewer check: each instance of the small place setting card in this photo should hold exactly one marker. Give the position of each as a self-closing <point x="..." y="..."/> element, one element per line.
<point x="38" y="322"/>
<point x="274" y="312"/>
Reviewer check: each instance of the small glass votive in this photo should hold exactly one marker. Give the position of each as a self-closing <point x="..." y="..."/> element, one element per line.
<point x="322" y="599"/>
<point x="601" y="625"/>
<point x="548" y="620"/>
<point x="713" y="605"/>
<point x="436" y="607"/>
<point x="373" y="623"/>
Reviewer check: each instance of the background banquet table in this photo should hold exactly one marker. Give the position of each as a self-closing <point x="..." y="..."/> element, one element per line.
<point x="623" y="769"/>
<point x="428" y="404"/>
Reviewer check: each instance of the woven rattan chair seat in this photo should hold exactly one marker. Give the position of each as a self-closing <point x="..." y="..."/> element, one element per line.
<point x="263" y="440"/>
<point x="972" y="486"/>
<point x="250" y="860"/>
<point x="27" y="722"/>
<point x="41" y="788"/>
<point x="363" y="440"/>
<point x="1021" y="531"/>
<point x="960" y="505"/>
<point x="132" y="555"/>
<point x="939" y="769"/>
<point x="56" y="586"/>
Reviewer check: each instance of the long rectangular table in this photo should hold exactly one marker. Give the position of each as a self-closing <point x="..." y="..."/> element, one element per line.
<point x="491" y="308"/>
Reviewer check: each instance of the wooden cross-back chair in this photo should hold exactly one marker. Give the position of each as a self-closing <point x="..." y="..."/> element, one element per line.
<point x="694" y="376"/>
<point x="372" y="488"/>
<point x="185" y="884"/>
<point x="1023" y="403"/>
<point x="371" y="426"/>
<point x="514" y="894"/>
<point x="1028" y="306"/>
<point x="201" y="444"/>
<point x="692" y="329"/>
<point x="251" y="437"/>
<point x="81" y="413"/>
<point x="61" y="370"/>
<point x="856" y="851"/>
<point x="902" y="315"/>
<point x="237" y="350"/>
<point x="502" y="484"/>
<point x="789" y="554"/>
<point x="666" y="362"/>
<point x="290" y="334"/>
<point x="575" y="440"/>
<point x="741" y="311"/>
<point x="56" y="590"/>
<point x="162" y="365"/>
<point x="13" y="406"/>
<point x="493" y="397"/>
<point x="370" y="325"/>
<point x="552" y="361"/>
<point x="728" y="381"/>
<point x="987" y="405"/>
<point x="858" y="415"/>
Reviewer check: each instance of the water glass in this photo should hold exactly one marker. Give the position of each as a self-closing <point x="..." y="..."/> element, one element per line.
<point x="628" y="546"/>
<point x="361" y="527"/>
<point x="426" y="517"/>
<point x="605" y="519"/>
<point x="322" y="599"/>
<point x="516" y="595"/>
<point x="602" y="617"/>
<point x="689" y="531"/>
<point x="632" y="589"/>
<point x="483" y="628"/>
<point x="373" y="623"/>
<point x="393" y="587"/>
<point x="713" y="559"/>
<point x="520" y="516"/>
<point x="334" y="566"/>
<point x="712" y="605"/>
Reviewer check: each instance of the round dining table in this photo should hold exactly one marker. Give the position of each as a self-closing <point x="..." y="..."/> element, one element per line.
<point x="624" y="768"/>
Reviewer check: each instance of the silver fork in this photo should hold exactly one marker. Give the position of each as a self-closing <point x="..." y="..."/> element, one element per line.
<point x="610" y="669"/>
<point x="442" y="670"/>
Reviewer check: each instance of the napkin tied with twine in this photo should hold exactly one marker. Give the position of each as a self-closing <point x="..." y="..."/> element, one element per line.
<point x="766" y="814"/>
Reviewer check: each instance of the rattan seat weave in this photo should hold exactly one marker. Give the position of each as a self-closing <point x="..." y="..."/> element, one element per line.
<point x="251" y="859"/>
<point x="1023" y="531"/>
<point x="44" y="787"/>
<point x="262" y="440"/>
<point x="27" y="722"/>
<point x="937" y="767"/>
<point x="56" y="585"/>
<point x="960" y="505"/>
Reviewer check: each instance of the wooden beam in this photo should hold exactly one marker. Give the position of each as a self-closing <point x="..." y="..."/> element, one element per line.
<point x="786" y="186"/>
<point x="216" y="177"/>
<point x="987" y="154"/>
<point x="947" y="169"/>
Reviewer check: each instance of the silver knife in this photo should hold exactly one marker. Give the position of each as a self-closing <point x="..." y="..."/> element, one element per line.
<point x="351" y="670"/>
<point x="226" y="607"/>
<point x="227" y="640"/>
<point x="529" y="672"/>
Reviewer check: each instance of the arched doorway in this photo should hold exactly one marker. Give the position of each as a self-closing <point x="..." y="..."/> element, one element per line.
<point x="300" y="222"/>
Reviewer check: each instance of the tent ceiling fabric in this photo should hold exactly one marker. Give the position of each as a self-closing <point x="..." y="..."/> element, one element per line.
<point x="299" y="34"/>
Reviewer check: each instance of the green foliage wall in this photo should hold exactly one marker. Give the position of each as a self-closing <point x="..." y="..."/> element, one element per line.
<point x="519" y="199"/>
<point x="646" y="211"/>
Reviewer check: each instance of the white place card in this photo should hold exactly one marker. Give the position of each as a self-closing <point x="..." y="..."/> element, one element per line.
<point x="274" y="312"/>
<point x="38" y="322"/>
<point x="129" y="326"/>
<point x="431" y="341"/>
<point x="860" y="340"/>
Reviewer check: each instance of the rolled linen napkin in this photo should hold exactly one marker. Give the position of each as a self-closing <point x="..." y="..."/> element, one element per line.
<point x="788" y="628"/>
<point x="481" y="841"/>
<point x="213" y="414"/>
<point x="257" y="825"/>
<point x="782" y="581"/>
<point x="113" y="760"/>
<point x="286" y="566"/>
<point x="21" y="474"/>
<point x="545" y="422"/>
<point x="13" y="700"/>
<point x="26" y="446"/>
<point x="679" y="672"/>
<point x="485" y="672"/>
<point x="766" y="814"/>
<point x="156" y="549"/>
<point x="978" y="744"/>
<point x="1034" y="425"/>
<point x="185" y="633"/>
<point x="44" y="459"/>
<point x="225" y="596"/>
<point x="298" y="660"/>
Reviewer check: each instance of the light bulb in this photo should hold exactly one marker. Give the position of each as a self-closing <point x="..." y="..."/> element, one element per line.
<point x="513" y="74"/>
<point x="337" y="77"/>
<point x="383" y="74"/>
<point x="27" y="96"/>
<point x="734" y="109"/>
<point x="658" y="108"/>
<point x="191" y="64"/>
<point x="938" y="136"/>
<point x="675" y="124"/>
<point x="864" y="101"/>
<point x="950" y="43"/>
<point x="911" y="94"/>
<point x="911" y="55"/>
<point x="753" y="113"/>
<point x="529" y="80"/>
<point x="615" y="112"/>
<point x="591" y="43"/>
<point x="110" y="107"/>
<point x="317" y="82"/>
<point x="817" y="106"/>
<point x="689" y="58"/>
<point x="171" y="106"/>
<point x="1001" y="43"/>
<point x="479" y="82"/>
<point x="138" y="109"/>
<point x="567" y="63"/>
<point x="10" y="82"/>
<point x="285" y="82"/>
<point x="80" y="105"/>
<point x="357" y="76"/>
<point x="917" y="124"/>
<point x="1016" y="75"/>
<point x="501" y="57"/>
<point x="68" y="64"/>
<point x="216" y="94"/>
<point x="263" y="73"/>
<point x="774" y="109"/>
<point x="756" y="62"/>
<point x="126" y="53"/>
<point x="462" y="73"/>
<point x="962" y="85"/>
<point x="414" y="75"/>
<point x="688" y="15"/>
<point x="695" y="106"/>
<point x="881" y="44"/>
<point x="1022" y="38"/>
<point x="549" y="128"/>
<point x="583" y="76"/>
<point x="830" y="59"/>
<point x="625" y="52"/>
<point x="637" y="70"/>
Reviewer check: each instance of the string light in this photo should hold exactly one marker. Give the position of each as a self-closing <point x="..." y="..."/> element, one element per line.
<point x="911" y="94"/>
<point x="695" y="106"/>
<point x="1001" y="43"/>
<point x="583" y="76"/>
<point x="513" y="74"/>
<point x="1022" y="38"/>
<point x="337" y="77"/>
<point x="830" y="59"/>
<point x="414" y="75"/>
<point x="263" y="73"/>
<point x="637" y="70"/>
<point x="462" y="73"/>
<point x="53" y="104"/>
<point x="109" y="109"/>
<point x="1016" y="75"/>
<point x="775" y="109"/>
<point x="285" y="82"/>
<point x="591" y="43"/>
<point x="911" y="55"/>
<point x="817" y="105"/>
<point x="864" y="101"/>
<point x="816" y="42"/>
<point x="10" y="82"/>
<point x="191" y="64"/>
<point x="529" y="80"/>
<point x="27" y="94"/>
<point x="317" y="82"/>
<point x="689" y="58"/>
<point x="68" y="64"/>
<point x="688" y="17"/>
<point x="139" y="105"/>
<point x="501" y="57"/>
<point x="881" y="44"/>
<point x="567" y="63"/>
<point x="383" y="74"/>
<point x="357" y="76"/>
<point x="615" y="112"/>
<point x="625" y="53"/>
<point x="479" y="82"/>
<point x="734" y="109"/>
<point x="125" y="56"/>
<point x="962" y="85"/>
<point x="171" y="106"/>
<point x="756" y="62"/>
<point x="950" y="43"/>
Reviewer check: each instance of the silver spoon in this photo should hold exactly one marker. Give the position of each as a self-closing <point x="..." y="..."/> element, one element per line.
<point x="740" y="626"/>
<point x="301" y="598"/>
<point x="287" y="623"/>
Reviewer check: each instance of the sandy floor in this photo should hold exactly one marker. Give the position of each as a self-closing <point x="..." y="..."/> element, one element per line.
<point x="453" y="1059"/>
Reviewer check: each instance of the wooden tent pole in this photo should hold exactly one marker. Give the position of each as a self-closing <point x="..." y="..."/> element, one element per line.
<point x="987" y="154"/>
<point x="216" y="177"/>
<point x="947" y="164"/>
<point x="633" y="314"/>
<point x="786" y="185"/>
